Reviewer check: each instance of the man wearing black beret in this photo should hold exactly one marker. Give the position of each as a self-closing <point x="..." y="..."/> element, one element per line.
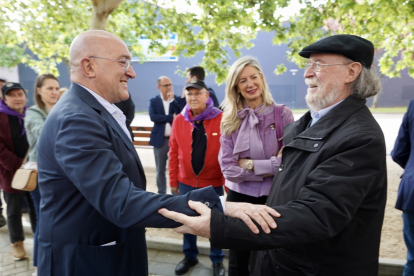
<point x="331" y="186"/>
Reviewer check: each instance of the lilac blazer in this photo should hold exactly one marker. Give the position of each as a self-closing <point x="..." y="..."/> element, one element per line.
<point x="241" y="180"/>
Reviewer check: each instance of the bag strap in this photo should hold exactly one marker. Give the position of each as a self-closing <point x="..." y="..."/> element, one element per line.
<point x="25" y="159"/>
<point x="279" y="124"/>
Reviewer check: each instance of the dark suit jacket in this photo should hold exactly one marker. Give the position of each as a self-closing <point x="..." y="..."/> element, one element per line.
<point x="158" y="116"/>
<point x="330" y="190"/>
<point x="403" y="154"/>
<point x="92" y="186"/>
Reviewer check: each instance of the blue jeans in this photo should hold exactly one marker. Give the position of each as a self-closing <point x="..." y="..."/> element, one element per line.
<point x="190" y="241"/>
<point x="161" y="157"/>
<point x="35" y="194"/>
<point x="408" y="231"/>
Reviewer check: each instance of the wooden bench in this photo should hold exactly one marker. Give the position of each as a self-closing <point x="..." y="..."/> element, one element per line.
<point x="141" y="136"/>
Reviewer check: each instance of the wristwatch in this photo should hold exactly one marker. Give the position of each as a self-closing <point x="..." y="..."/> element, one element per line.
<point x="249" y="165"/>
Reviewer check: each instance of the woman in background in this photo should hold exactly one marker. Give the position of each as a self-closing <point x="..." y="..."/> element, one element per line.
<point x="46" y="93"/>
<point x="249" y="145"/>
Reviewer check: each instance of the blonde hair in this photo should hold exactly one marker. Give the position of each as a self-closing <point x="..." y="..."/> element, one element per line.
<point x="233" y="100"/>
<point x="38" y="84"/>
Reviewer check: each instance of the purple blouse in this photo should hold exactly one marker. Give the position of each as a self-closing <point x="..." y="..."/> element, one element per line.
<point x="241" y="180"/>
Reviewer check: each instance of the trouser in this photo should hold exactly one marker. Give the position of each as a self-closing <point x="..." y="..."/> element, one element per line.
<point x="239" y="259"/>
<point x="408" y="230"/>
<point x="190" y="241"/>
<point x="35" y="194"/>
<point x="161" y="157"/>
<point x="14" y="203"/>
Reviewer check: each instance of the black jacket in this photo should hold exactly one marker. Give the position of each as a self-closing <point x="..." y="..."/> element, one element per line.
<point x="330" y="191"/>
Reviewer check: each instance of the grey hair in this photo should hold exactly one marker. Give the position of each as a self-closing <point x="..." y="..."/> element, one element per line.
<point x="367" y="84"/>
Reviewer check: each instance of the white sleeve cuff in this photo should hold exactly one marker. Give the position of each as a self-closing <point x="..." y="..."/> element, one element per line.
<point x="223" y="203"/>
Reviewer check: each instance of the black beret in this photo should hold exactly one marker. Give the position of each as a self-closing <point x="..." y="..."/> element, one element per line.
<point x="10" y="86"/>
<point x="3" y="80"/>
<point x="195" y="83"/>
<point x="351" y="46"/>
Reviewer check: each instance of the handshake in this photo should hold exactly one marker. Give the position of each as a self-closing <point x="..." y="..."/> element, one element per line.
<point x="200" y="226"/>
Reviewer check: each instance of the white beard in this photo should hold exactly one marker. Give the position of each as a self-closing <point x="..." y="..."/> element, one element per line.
<point x="322" y="98"/>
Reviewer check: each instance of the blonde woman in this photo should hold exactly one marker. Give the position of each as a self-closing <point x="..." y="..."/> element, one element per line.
<point x="46" y="96"/>
<point x="250" y="127"/>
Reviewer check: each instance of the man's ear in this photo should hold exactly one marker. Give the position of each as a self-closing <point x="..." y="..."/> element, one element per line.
<point x="353" y="71"/>
<point x="87" y="68"/>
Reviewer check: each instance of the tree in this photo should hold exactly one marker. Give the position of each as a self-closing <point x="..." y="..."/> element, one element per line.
<point x="46" y="28"/>
<point x="386" y="23"/>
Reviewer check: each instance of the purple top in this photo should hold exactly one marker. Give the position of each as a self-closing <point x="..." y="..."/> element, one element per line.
<point x="241" y="180"/>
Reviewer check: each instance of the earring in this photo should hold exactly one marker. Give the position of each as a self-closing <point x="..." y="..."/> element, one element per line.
<point x="238" y="99"/>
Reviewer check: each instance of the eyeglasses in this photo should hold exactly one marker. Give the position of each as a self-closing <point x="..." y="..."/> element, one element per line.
<point x="198" y="94"/>
<point x="127" y="62"/>
<point x="167" y="85"/>
<point x="316" y="66"/>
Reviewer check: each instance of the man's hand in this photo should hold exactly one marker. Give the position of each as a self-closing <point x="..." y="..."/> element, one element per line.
<point x="170" y="95"/>
<point x="246" y="212"/>
<point x="175" y="190"/>
<point x="199" y="226"/>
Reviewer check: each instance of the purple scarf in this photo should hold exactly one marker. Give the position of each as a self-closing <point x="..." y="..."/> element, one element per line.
<point x="248" y="137"/>
<point x="7" y="110"/>
<point x="208" y="114"/>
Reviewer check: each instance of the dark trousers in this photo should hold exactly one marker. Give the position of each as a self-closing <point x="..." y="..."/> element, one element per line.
<point x="161" y="157"/>
<point x="190" y="241"/>
<point x="14" y="203"/>
<point x="239" y="259"/>
<point x="408" y="231"/>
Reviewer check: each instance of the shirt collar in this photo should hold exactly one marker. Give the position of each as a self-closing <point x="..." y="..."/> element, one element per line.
<point x="316" y="116"/>
<point x="111" y="108"/>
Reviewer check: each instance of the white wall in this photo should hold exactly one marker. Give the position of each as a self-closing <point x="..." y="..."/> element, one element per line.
<point x="10" y="74"/>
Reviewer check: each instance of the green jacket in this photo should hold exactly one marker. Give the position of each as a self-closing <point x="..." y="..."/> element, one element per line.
<point x="33" y="122"/>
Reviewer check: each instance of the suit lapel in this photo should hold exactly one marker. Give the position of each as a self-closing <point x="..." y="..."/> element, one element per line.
<point x="92" y="102"/>
<point x="160" y="105"/>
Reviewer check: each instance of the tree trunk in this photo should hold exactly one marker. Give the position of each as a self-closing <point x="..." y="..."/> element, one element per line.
<point x="375" y="101"/>
<point x="100" y="11"/>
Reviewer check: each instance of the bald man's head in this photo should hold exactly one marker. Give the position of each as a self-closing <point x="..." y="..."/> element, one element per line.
<point x="101" y="61"/>
<point x="90" y="43"/>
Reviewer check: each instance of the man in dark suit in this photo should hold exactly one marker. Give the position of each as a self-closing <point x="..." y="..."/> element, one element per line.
<point x="331" y="186"/>
<point x="403" y="154"/>
<point x="94" y="207"/>
<point x="162" y="110"/>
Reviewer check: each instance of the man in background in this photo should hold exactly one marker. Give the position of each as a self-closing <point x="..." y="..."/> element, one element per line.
<point x="162" y="110"/>
<point x="194" y="147"/>
<point x="197" y="73"/>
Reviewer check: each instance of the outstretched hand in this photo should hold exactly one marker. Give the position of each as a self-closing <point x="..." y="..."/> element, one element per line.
<point x="247" y="212"/>
<point x="199" y="226"/>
